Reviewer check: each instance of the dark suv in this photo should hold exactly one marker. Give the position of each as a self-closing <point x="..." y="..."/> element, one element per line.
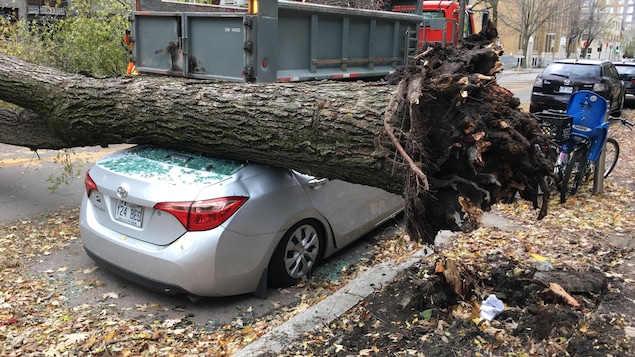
<point x="561" y="78"/>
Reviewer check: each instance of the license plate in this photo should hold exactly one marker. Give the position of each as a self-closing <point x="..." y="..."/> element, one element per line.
<point x="565" y="89"/>
<point x="129" y="213"/>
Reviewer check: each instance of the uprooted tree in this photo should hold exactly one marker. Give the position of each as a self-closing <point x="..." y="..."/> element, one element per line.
<point x="441" y="131"/>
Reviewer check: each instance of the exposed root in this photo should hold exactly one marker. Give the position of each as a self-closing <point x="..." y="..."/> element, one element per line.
<point x="465" y="142"/>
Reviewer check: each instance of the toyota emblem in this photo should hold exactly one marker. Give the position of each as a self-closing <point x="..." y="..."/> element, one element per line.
<point x="567" y="82"/>
<point x="122" y="192"/>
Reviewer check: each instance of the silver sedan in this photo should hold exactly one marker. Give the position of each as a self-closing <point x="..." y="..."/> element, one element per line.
<point x="182" y="223"/>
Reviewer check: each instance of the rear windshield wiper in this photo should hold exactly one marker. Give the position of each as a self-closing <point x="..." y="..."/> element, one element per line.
<point x="559" y="75"/>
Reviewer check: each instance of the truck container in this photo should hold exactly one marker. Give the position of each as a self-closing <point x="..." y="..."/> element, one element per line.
<point x="281" y="41"/>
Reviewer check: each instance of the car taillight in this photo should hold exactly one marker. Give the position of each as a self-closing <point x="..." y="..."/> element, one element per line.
<point x="89" y="184"/>
<point x="203" y="215"/>
<point x="538" y="83"/>
<point x="600" y="87"/>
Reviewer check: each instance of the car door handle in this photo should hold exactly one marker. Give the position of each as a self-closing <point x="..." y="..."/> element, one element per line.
<point x="313" y="183"/>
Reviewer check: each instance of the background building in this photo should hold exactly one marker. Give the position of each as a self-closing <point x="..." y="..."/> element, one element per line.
<point x="31" y="9"/>
<point x="571" y="29"/>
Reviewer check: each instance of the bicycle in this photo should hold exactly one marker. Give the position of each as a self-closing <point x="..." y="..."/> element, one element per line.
<point x="579" y="156"/>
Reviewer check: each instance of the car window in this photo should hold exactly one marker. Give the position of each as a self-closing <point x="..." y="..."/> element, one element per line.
<point x="610" y="71"/>
<point x="433" y="15"/>
<point x="625" y="69"/>
<point x="570" y="70"/>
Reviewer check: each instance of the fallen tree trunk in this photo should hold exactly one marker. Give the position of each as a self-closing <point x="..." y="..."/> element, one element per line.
<point x="446" y="135"/>
<point x="328" y="129"/>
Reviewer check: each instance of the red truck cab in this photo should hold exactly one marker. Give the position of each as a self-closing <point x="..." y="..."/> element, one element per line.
<point x="440" y="20"/>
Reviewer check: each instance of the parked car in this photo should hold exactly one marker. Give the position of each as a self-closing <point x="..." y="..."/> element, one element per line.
<point x="555" y="84"/>
<point x="182" y="223"/>
<point x="627" y="75"/>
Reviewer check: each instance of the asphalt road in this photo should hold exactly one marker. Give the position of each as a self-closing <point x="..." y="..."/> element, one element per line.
<point x="24" y="180"/>
<point x="519" y="82"/>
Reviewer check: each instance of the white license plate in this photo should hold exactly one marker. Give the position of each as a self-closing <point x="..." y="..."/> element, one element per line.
<point x="565" y="89"/>
<point x="129" y="213"/>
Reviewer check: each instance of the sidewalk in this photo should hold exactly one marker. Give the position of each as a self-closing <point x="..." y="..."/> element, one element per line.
<point x="521" y="71"/>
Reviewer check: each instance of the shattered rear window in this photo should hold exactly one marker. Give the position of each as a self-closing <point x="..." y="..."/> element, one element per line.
<point x="176" y="167"/>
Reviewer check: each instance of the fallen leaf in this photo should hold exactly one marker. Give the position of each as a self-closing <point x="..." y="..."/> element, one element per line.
<point x="111" y="295"/>
<point x="74" y="338"/>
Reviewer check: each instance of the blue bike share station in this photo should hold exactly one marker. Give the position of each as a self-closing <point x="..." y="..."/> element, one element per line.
<point x="589" y="111"/>
<point x="584" y="121"/>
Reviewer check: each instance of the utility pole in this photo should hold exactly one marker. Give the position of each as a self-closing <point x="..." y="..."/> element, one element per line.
<point x="461" y="18"/>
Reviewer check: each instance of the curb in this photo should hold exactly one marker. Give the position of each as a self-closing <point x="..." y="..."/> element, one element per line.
<point x="329" y="309"/>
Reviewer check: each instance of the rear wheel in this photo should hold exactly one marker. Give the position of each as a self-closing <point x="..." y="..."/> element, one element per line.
<point x="573" y="175"/>
<point x="296" y="254"/>
<point x="611" y="154"/>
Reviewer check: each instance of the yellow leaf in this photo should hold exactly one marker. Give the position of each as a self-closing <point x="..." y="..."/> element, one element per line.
<point x="584" y="327"/>
<point x="89" y="342"/>
<point x="539" y="258"/>
<point x="110" y="335"/>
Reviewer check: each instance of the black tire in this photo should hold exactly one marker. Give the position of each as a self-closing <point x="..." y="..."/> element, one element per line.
<point x="553" y="180"/>
<point x="297" y="253"/>
<point x="573" y="175"/>
<point x="612" y="153"/>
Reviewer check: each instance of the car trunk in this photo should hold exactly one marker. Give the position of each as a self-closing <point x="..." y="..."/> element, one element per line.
<point x="567" y="78"/>
<point x="558" y="85"/>
<point x="131" y="182"/>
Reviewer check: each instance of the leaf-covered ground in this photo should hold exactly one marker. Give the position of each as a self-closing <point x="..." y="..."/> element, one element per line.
<point x="589" y="238"/>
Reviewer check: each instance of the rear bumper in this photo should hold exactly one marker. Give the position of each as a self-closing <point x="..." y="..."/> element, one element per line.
<point x="211" y="263"/>
<point x="144" y="282"/>
<point x="540" y="102"/>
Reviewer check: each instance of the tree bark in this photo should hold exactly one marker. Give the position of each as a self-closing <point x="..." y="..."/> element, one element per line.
<point x="328" y="129"/>
<point x="446" y="136"/>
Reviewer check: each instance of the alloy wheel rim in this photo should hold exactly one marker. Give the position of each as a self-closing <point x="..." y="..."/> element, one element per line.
<point x="301" y="251"/>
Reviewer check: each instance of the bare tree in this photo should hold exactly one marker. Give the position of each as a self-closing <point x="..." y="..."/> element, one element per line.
<point x="628" y="43"/>
<point x="596" y="19"/>
<point x="526" y="17"/>
<point x="491" y="5"/>
<point x="573" y="23"/>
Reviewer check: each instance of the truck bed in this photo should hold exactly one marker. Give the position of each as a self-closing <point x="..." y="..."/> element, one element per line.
<point x="284" y="41"/>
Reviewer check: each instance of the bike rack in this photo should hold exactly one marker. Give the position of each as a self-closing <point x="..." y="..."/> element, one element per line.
<point x="598" y="175"/>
